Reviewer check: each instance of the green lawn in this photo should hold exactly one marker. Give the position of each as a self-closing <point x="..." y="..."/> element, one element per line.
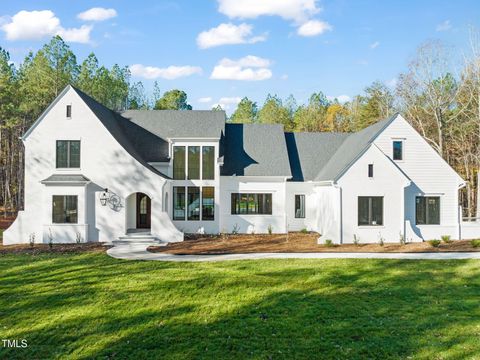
<point x="84" y="306"/>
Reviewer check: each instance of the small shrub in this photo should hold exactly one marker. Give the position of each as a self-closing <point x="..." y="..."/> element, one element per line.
<point x="31" y="239"/>
<point x="50" y="238"/>
<point x="356" y="239"/>
<point x="235" y="229"/>
<point x="78" y="237"/>
<point x="381" y="239"/>
<point x="434" y="243"/>
<point x="402" y="239"/>
<point x="304" y="231"/>
<point x="475" y="243"/>
<point x="224" y="234"/>
<point x="328" y="243"/>
<point x="446" y="239"/>
<point x="270" y="229"/>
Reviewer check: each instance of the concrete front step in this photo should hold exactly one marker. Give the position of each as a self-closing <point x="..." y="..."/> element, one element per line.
<point x="127" y="241"/>
<point x="138" y="238"/>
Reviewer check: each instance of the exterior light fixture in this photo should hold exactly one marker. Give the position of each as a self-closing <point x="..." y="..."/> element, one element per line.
<point x="104" y="197"/>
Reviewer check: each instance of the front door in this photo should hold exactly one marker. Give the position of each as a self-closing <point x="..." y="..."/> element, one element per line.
<point x="143" y="211"/>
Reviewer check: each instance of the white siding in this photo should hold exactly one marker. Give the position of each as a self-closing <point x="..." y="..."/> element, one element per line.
<point x="430" y="175"/>
<point x="311" y="209"/>
<point x="328" y="217"/>
<point x="387" y="182"/>
<point x="257" y="223"/>
<point x="103" y="160"/>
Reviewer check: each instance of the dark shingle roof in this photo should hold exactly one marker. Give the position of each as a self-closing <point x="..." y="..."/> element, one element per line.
<point x="246" y="149"/>
<point x="255" y="150"/>
<point x="179" y="124"/>
<point x="123" y="131"/>
<point x="310" y="152"/>
<point x="66" y="178"/>
<point x="350" y="149"/>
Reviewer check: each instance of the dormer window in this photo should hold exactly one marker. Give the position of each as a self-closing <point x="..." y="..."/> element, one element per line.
<point x="397" y="150"/>
<point x="69" y="111"/>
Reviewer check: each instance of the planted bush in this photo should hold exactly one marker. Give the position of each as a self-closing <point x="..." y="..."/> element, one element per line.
<point x="434" y="243"/>
<point x="304" y="231"/>
<point x="270" y="229"/>
<point x="328" y="243"/>
<point x="446" y="239"/>
<point x="356" y="239"/>
<point x="475" y="243"/>
<point x="235" y="229"/>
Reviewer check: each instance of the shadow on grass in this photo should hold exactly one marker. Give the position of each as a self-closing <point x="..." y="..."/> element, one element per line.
<point x="91" y="306"/>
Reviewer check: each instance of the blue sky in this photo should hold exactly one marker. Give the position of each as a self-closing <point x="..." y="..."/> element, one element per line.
<point x="264" y="46"/>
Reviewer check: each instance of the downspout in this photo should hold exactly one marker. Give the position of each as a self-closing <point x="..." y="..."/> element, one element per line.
<point x="459" y="214"/>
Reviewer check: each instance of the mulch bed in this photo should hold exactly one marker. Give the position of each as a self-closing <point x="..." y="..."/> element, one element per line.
<point x="296" y="242"/>
<point x="55" y="249"/>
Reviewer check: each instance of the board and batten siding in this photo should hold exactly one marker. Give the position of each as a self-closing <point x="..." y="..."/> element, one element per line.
<point x="430" y="175"/>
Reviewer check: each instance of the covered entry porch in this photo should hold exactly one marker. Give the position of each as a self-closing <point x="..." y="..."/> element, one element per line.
<point x="138" y="213"/>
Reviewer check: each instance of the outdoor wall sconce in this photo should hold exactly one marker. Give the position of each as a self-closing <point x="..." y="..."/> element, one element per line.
<point x="104" y="197"/>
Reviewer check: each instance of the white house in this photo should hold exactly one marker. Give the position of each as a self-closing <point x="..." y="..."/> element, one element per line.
<point x="96" y="175"/>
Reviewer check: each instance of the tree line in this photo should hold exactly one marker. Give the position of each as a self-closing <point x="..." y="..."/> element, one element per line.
<point x="441" y="101"/>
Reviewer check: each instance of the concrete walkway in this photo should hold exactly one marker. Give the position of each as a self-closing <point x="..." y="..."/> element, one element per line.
<point x="139" y="252"/>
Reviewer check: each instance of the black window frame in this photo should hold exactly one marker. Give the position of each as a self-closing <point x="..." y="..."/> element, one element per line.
<point x="179" y="172"/>
<point x="205" y="175"/>
<point x="370" y="170"/>
<point x="426" y="210"/>
<point x="208" y="210"/>
<point x="300" y="209"/>
<point x="194" y="163"/>
<point x="65" y="215"/>
<point x="370" y="212"/>
<point x="251" y="204"/>
<point x="193" y="195"/>
<point x="70" y="162"/>
<point x="176" y="205"/>
<point x="395" y="155"/>
<point x="69" y="111"/>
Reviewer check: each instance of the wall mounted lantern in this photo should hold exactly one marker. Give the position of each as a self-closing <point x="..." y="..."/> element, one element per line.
<point x="104" y="197"/>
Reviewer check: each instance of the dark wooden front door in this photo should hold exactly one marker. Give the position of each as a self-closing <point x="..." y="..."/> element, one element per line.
<point x="143" y="211"/>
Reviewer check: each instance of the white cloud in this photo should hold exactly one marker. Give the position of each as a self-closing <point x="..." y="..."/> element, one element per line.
<point x="296" y="10"/>
<point x="97" y="14"/>
<point x="444" y="26"/>
<point x="205" y="100"/>
<point x="342" y="99"/>
<point x="227" y="102"/>
<point x="169" y="73"/>
<point x="248" y="68"/>
<point x="374" y="45"/>
<point x="300" y="12"/>
<point x="284" y="77"/>
<point x="313" y="28"/>
<point x="35" y="25"/>
<point x="79" y="35"/>
<point x="225" y="34"/>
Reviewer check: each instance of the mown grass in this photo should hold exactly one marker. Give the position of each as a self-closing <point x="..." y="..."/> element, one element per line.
<point x="84" y="306"/>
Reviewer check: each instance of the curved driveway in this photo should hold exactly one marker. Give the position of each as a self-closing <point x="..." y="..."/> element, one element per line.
<point x="139" y="252"/>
